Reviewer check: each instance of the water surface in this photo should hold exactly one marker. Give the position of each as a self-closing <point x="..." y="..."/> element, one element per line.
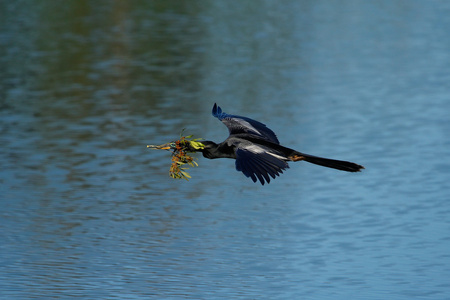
<point x="88" y="211"/>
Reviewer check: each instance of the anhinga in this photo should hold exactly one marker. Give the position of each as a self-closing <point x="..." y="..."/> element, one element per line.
<point x="256" y="148"/>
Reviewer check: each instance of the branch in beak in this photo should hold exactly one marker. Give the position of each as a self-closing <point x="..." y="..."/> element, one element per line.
<point x="160" y="147"/>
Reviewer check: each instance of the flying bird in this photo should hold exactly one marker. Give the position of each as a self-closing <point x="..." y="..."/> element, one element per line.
<point x="256" y="149"/>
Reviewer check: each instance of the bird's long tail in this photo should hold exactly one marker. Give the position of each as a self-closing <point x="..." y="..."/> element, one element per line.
<point x="327" y="162"/>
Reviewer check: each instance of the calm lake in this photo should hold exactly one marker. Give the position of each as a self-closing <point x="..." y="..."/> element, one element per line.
<point x="88" y="211"/>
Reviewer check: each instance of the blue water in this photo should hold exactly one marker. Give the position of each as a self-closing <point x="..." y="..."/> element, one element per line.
<point x="88" y="211"/>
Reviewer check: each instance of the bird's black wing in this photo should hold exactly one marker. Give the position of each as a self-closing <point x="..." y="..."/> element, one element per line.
<point x="238" y="124"/>
<point x="258" y="164"/>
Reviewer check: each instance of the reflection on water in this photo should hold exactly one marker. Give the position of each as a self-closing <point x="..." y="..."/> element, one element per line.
<point x="89" y="211"/>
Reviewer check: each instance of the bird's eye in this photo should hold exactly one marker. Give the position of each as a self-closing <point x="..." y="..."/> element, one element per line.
<point x="173" y="145"/>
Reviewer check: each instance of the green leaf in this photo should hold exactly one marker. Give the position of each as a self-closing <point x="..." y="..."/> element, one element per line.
<point x="185" y="174"/>
<point x="197" y="145"/>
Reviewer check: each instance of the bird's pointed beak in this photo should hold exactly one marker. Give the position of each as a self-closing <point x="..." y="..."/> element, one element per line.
<point x="160" y="147"/>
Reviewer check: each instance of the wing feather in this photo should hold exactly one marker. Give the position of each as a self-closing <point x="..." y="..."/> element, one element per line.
<point x="239" y="124"/>
<point x="259" y="165"/>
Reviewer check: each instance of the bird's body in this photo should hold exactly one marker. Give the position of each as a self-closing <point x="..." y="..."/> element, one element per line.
<point x="257" y="151"/>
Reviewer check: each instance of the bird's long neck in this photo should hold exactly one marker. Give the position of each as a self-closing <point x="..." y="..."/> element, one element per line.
<point x="213" y="150"/>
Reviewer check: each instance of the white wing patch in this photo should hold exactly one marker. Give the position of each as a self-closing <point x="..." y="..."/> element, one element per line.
<point x="277" y="156"/>
<point x="257" y="149"/>
<point x="249" y="126"/>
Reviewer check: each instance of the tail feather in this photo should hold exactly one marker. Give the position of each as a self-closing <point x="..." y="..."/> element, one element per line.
<point x="327" y="162"/>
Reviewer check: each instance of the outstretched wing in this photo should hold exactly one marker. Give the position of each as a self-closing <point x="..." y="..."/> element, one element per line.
<point x="258" y="164"/>
<point x="238" y="124"/>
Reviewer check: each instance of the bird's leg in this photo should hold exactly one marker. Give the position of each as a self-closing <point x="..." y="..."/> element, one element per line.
<point x="296" y="157"/>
